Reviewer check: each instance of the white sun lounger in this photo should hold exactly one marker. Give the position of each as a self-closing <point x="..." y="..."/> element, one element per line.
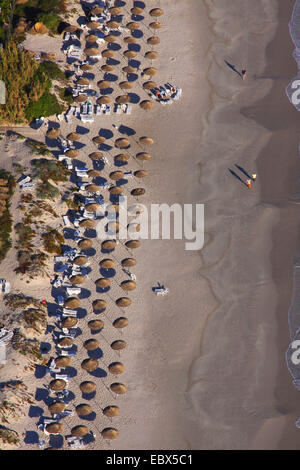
<point x="128" y="109"/>
<point x="69" y="311"/>
<point x="66" y="221"/>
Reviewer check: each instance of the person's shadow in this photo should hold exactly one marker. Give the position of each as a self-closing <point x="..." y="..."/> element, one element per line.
<point x="232" y="67"/>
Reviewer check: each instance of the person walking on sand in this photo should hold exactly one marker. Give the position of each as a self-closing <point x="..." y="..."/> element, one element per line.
<point x="253" y="177"/>
<point x="243" y="74"/>
<point x="248" y="182"/>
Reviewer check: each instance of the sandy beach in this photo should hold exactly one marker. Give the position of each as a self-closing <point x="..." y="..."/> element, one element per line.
<point x="204" y="365"/>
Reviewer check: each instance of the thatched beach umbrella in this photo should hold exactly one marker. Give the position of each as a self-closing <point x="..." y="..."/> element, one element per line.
<point x="116" y="175"/>
<point x="108" y="245"/>
<point x="128" y="262"/>
<point x="89" y="364"/>
<point x="118" y="388"/>
<point x="99" y="139"/>
<point x="136" y="10"/>
<point x="103" y="283"/>
<point x="54" y="428"/>
<point x="128" y="285"/>
<point x="80" y="98"/>
<point x="115" y="11"/>
<point x="149" y="85"/>
<point x="132" y="25"/>
<point x="92" y="188"/>
<point x="83" y="409"/>
<point x="53" y="133"/>
<point x="118" y="345"/>
<point x="91" y="51"/>
<point x="57" y="407"/>
<point x="147" y="141"/>
<point x="92" y="38"/>
<point x="130" y="54"/>
<point x="128" y="69"/>
<point x="72" y="302"/>
<point x="107" y="68"/>
<point x="95" y="325"/>
<point x="151" y="55"/>
<point x="122" y="157"/>
<point x="138" y="191"/>
<point x="108" y="53"/>
<point x="123" y="99"/>
<point x="80" y="260"/>
<point x="85" y="244"/>
<point x="57" y="385"/>
<point x="155" y="25"/>
<point x="97" y="10"/>
<point x="107" y="263"/>
<point x="103" y="100"/>
<point x="153" y="40"/>
<point x="109" y="433"/>
<point x="121" y="322"/>
<point x="92" y="207"/>
<point x="122" y="143"/>
<point x="78" y="279"/>
<point x="86" y="67"/>
<point x="99" y="304"/>
<point x="110" y="38"/>
<point x="116" y="368"/>
<point x="69" y="322"/>
<point x="111" y="411"/>
<point x="87" y="387"/>
<point x="123" y="302"/>
<point x="91" y="344"/>
<point x="70" y="29"/>
<point x="93" y="25"/>
<point x="126" y="85"/>
<point x="83" y="81"/>
<point x="62" y="361"/>
<point x="116" y="190"/>
<point x="65" y="342"/>
<point x="79" y="431"/>
<point x="156" y="12"/>
<point x="129" y="40"/>
<point x="87" y="223"/>
<point x="112" y="24"/>
<point x="132" y="244"/>
<point x="150" y="71"/>
<point x="72" y="153"/>
<point x="95" y="155"/>
<point x="143" y="156"/>
<point x="146" y="105"/>
<point x="140" y="173"/>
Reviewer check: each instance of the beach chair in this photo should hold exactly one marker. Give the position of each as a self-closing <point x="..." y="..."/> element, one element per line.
<point x="128" y="109"/>
<point x="103" y="107"/>
<point x="69" y="311"/>
<point x="128" y="174"/>
<point x="68" y="353"/>
<point x="107" y="110"/>
<point x="118" y="109"/>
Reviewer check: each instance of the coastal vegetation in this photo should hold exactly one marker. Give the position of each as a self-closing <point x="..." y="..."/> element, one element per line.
<point x="7" y="184"/>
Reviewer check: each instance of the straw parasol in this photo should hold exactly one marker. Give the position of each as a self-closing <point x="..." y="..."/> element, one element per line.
<point x="73" y="136"/>
<point x="78" y="279"/>
<point x="83" y="81"/>
<point x="83" y="409"/>
<point x="91" y="51"/>
<point x="108" y="53"/>
<point x="57" y="407"/>
<point x="121" y="322"/>
<point x="123" y="99"/>
<point x="54" y="428"/>
<point x="156" y="12"/>
<point x="53" y="133"/>
<point x="102" y="283"/>
<point x="153" y="40"/>
<point x="87" y="223"/>
<point x="107" y="67"/>
<point x="95" y="324"/>
<point x="92" y="188"/>
<point x="110" y="38"/>
<point x="62" y="361"/>
<point x="130" y="54"/>
<point x="103" y="100"/>
<point x="155" y="25"/>
<point x="132" y="25"/>
<point x="99" y="139"/>
<point x="89" y="364"/>
<point x="122" y="157"/>
<point x="126" y="85"/>
<point x="71" y="153"/>
<point x="128" y="69"/>
<point x="57" y="385"/>
<point x="128" y="285"/>
<point x="128" y="262"/>
<point x="118" y="345"/>
<point x="93" y="25"/>
<point x="112" y="24"/>
<point x="138" y="191"/>
<point x="115" y="11"/>
<point x="97" y="10"/>
<point x="143" y="156"/>
<point x="92" y="38"/>
<point x="108" y="245"/>
<point x="107" y="263"/>
<point x="72" y="302"/>
<point x="65" y="342"/>
<point x="109" y="433"/>
<point x="92" y="207"/>
<point x="86" y="67"/>
<point x="80" y="98"/>
<point x="123" y="302"/>
<point x="99" y="304"/>
<point x="132" y="244"/>
<point x="146" y="141"/>
<point x="116" y="368"/>
<point x="79" y="431"/>
<point x="87" y="387"/>
<point x="150" y="71"/>
<point x="118" y="388"/>
<point x="129" y="40"/>
<point x="80" y="260"/>
<point x="146" y="105"/>
<point x="149" y="85"/>
<point x="151" y="55"/>
<point x="111" y="411"/>
<point x="70" y="29"/>
<point x="91" y="344"/>
<point x="116" y="175"/>
<point x="95" y="155"/>
<point x="136" y="10"/>
<point x="140" y="173"/>
<point x="116" y="190"/>
<point x="85" y="244"/>
<point x="122" y="143"/>
<point x="69" y="322"/>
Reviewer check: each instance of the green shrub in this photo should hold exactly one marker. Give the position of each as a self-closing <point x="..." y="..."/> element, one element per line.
<point x="46" y="105"/>
<point x="46" y="190"/>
